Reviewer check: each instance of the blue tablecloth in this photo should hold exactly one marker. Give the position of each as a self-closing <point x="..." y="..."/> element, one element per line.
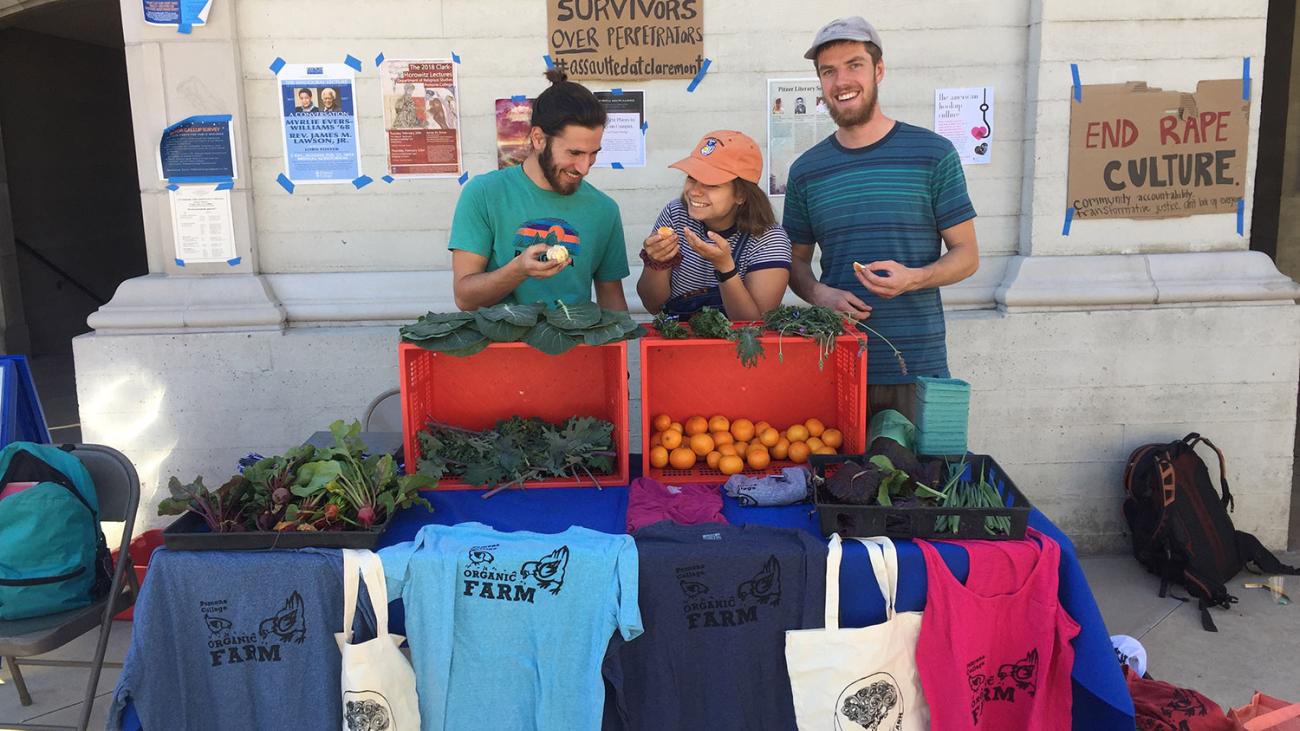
<point x="1101" y="699"/>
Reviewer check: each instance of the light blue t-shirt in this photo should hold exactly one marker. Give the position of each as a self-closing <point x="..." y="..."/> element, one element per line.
<point x="508" y="630"/>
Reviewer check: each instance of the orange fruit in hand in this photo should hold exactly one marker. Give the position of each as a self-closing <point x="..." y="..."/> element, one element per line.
<point x="758" y="459"/>
<point x="681" y="458"/>
<point x="712" y="459"/>
<point x="833" y="438"/>
<point x="722" y="437"/>
<point x="815" y="444"/>
<point x="797" y="433"/>
<point x="742" y="430"/>
<point x="661" y="422"/>
<point x="823" y="450"/>
<point x="814" y="427"/>
<point x="718" y="422"/>
<point x="672" y="439"/>
<point x="769" y="437"/>
<point x="701" y="444"/>
<point x="727" y="450"/>
<point x="781" y="449"/>
<point x="731" y="464"/>
<point x="799" y="452"/>
<point x="658" y="457"/>
<point x="696" y="425"/>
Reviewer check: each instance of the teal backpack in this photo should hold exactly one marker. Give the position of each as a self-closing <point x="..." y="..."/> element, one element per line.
<point x="53" y="557"/>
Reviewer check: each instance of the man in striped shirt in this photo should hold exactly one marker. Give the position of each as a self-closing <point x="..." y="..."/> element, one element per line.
<point x="878" y="196"/>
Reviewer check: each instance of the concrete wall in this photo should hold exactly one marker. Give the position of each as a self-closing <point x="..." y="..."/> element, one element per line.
<point x="1079" y="347"/>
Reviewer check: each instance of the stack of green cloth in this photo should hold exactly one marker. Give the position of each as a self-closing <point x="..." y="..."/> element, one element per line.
<point x="942" y="415"/>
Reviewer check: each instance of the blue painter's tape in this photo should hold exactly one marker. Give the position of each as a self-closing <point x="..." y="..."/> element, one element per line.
<point x="1241" y="216"/>
<point x="180" y="262"/>
<point x="549" y="63"/>
<point x="380" y="58"/>
<point x="1245" y="78"/>
<point x="616" y="165"/>
<point x="277" y="64"/>
<point x="1069" y="219"/>
<point x="1078" y="88"/>
<point x="464" y="177"/>
<point x="362" y="181"/>
<point x="644" y="127"/>
<point x="518" y="98"/>
<point x="454" y="57"/>
<point x="388" y="178"/>
<point x="352" y="61"/>
<point x="184" y="27"/>
<point x="225" y="185"/>
<point x="704" y="69"/>
<point x="235" y="262"/>
<point x="616" y="92"/>
<point x="285" y="182"/>
<point x="173" y="186"/>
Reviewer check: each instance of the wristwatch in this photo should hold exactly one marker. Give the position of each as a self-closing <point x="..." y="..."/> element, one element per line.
<point x="724" y="276"/>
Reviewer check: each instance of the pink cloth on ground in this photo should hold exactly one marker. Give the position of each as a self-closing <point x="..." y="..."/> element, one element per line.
<point x="996" y="653"/>
<point x="650" y="501"/>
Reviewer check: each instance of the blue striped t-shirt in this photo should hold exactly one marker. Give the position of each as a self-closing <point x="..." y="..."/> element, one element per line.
<point x="750" y="253"/>
<point x="888" y="200"/>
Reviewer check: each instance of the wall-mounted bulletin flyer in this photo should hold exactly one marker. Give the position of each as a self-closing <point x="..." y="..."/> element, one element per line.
<point x="319" y="117"/>
<point x="623" y="141"/>
<point x="421" y="118"/>
<point x="965" y="117"/>
<point x="797" y="119"/>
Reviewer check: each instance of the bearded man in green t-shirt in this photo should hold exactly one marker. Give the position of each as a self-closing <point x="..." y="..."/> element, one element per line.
<point x="506" y="220"/>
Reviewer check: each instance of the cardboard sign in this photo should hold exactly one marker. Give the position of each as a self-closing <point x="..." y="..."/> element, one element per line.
<point x="1140" y="152"/>
<point x="627" y="39"/>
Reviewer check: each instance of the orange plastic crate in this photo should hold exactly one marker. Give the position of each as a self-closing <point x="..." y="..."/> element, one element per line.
<point x="696" y="376"/>
<point x="515" y="379"/>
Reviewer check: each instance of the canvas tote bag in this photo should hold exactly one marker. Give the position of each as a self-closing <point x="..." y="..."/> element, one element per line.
<point x="858" y="678"/>
<point x="378" y="682"/>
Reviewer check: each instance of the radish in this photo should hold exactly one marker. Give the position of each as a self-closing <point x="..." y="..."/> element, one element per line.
<point x="366" y="516"/>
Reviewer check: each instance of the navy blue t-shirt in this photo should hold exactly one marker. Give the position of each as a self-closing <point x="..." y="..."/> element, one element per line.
<point x="716" y="600"/>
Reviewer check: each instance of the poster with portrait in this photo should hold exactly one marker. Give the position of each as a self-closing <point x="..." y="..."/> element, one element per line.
<point x="513" y="118"/>
<point x="318" y="117"/>
<point x="797" y="119"/>
<point x="421" y="107"/>
<point x="622" y="145"/>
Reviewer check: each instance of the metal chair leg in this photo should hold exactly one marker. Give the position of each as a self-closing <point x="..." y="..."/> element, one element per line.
<point x="23" y="696"/>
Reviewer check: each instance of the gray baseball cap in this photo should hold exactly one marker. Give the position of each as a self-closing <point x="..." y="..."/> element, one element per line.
<point x="852" y="28"/>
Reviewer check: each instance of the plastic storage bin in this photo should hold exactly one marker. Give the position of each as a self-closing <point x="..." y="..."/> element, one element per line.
<point x="515" y="379"/>
<point x="142" y="548"/>
<point x="699" y="376"/>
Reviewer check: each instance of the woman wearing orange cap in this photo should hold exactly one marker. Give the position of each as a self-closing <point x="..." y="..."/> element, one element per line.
<point x="717" y="245"/>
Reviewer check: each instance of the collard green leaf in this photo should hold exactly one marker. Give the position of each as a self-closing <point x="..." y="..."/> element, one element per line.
<point x="467" y="351"/>
<point x="515" y="314"/>
<point x="458" y="340"/>
<point x="601" y="334"/>
<point x="748" y="347"/>
<point x="500" y="331"/>
<point x="435" y="325"/>
<point x="550" y="339"/>
<point x="574" y="317"/>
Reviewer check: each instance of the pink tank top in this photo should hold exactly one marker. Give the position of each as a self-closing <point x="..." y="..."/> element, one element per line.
<point x="995" y="654"/>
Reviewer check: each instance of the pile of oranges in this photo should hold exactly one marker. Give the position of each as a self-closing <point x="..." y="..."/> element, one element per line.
<point x="730" y="446"/>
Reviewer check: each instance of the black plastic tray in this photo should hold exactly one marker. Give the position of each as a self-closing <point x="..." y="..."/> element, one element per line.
<point x="917" y="521"/>
<point x="190" y="533"/>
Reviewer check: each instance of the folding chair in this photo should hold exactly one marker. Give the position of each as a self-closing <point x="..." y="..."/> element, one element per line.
<point x="384" y="413"/>
<point x="118" y="489"/>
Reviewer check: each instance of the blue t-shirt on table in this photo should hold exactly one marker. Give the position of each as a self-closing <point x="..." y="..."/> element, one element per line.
<point x="507" y="630"/>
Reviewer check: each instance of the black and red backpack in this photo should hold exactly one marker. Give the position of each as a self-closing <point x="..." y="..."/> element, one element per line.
<point x="1180" y="526"/>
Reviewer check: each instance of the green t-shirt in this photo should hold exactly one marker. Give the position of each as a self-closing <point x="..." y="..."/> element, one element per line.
<point x="503" y="212"/>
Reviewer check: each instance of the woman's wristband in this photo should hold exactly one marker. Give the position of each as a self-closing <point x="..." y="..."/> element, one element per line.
<point x="661" y="265"/>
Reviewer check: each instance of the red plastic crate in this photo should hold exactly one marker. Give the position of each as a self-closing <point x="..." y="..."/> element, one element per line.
<point x="703" y="377"/>
<point x="142" y="548"/>
<point x="515" y="379"/>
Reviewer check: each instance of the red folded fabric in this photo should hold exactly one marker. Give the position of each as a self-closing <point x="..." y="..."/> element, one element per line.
<point x="650" y="501"/>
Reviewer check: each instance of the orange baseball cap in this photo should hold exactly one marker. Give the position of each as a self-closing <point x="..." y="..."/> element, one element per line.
<point x="722" y="156"/>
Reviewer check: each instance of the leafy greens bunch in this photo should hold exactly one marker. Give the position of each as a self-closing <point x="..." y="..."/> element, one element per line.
<point x="517" y="450"/>
<point x="823" y="325"/>
<point x="307" y="488"/>
<point x="551" y="330"/>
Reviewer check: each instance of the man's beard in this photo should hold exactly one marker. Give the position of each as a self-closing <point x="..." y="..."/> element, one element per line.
<point x="564" y="185"/>
<point x="853" y="118"/>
